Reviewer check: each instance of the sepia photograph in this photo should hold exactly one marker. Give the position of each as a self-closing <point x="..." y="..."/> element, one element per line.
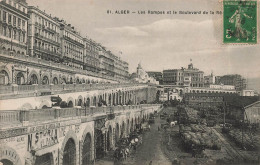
<point x="129" y="82"/>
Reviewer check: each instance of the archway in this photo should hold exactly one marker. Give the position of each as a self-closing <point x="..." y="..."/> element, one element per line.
<point x="20" y="79"/>
<point x="99" y="144"/>
<point x="87" y="150"/>
<point x="77" y="81"/>
<point x="64" y="81"/>
<point x="55" y="81"/>
<point x="117" y="133"/>
<point x="109" y="138"/>
<point x="45" y="80"/>
<point x="94" y="101"/>
<point x="70" y="104"/>
<point x="44" y="159"/>
<point x="88" y="102"/>
<point x="79" y="102"/>
<point x="4" y="78"/>
<point x="69" y="153"/>
<point x="33" y="79"/>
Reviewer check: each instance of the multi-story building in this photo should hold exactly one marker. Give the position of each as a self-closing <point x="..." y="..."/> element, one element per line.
<point x="13" y="26"/>
<point x="91" y="56"/>
<point x="210" y="79"/>
<point x="190" y="76"/>
<point x="106" y="62"/>
<point x="72" y="45"/>
<point x="173" y="76"/>
<point x="157" y="75"/>
<point x="252" y="113"/>
<point x="237" y="80"/>
<point x="43" y="35"/>
<point x="51" y="52"/>
<point x="120" y="68"/>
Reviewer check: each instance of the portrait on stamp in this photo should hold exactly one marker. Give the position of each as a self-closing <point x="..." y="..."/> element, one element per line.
<point x="240" y="21"/>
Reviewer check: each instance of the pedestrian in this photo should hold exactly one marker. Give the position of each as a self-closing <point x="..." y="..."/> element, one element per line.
<point x="151" y="162"/>
<point x="158" y="128"/>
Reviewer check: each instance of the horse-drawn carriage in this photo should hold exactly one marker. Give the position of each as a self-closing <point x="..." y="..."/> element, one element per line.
<point x="126" y="145"/>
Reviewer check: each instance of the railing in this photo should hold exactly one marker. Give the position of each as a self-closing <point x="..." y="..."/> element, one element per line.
<point x="40" y="115"/>
<point x="9" y="116"/>
<point x="20" y="90"/>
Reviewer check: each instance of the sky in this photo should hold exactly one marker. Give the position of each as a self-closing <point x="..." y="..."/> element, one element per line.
<point x="158" y="42"/>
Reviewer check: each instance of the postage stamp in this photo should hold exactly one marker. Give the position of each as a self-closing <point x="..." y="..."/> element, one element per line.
<point x="240" y="21"/>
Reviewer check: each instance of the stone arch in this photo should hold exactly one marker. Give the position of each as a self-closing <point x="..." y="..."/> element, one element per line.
<point x="83" y="80"/>
<point x="8" y="153"/>
<point x="26" y="106"/>
<point x="5" y="77"/>
<point x="20" y="78"/>
<point x="88" y="102"/>
<point x="46" y="158"/>
<point x="45" y="103"/>
<point x="70" y="102"/>
<point x="34" y="77"/>
<point x="94" y="103"/>
<point x="45" y="79"/>
<point x="87" y="149"/>
<point x="80" y="101"/>
<point x="55" y="80"/>
<point x="64" y="79"/>
<point x="70" y="137"/>
<point x="77" y="81"/>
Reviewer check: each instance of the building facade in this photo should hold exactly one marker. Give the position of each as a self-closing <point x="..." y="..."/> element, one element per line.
<point x="13" y="26"/>
<point x="43" y="36"/>
<point x="91" y="56"/>
<point x="106" y="62"/>
<point x="158" y="76"/>
<point x="237" y="80"/>
<point x="190" y="76"/>
<point x="252" y="113"/>
<point x="50" y="51"/>
<point x="210" y="79"/>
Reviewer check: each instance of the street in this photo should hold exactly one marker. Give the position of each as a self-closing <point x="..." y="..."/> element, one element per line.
<point x="150" y="151"/>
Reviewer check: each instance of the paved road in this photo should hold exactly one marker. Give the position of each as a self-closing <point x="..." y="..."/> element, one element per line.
<point x="150" y="151"/>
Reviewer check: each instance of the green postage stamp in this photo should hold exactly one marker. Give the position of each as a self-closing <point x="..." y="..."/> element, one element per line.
<point x="240" y="21"/>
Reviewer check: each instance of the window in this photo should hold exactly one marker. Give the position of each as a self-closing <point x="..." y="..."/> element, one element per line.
<point x="4" y="31"/>
<point x="4" y="16"/>
<point x="14" y="21"/>
<point x="9" y="33"/>
<point x="14" y="35"/>
<point x="9" y="18"/>
<point x="23" y="24"/>
<point x="19" y="22"/>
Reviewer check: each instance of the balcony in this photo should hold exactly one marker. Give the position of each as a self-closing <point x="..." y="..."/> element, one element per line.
<point x="18" y="91"/>
<point x="18" y="118"/>
<point x="41" y="37"/>
<point x="73" y="41"/>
